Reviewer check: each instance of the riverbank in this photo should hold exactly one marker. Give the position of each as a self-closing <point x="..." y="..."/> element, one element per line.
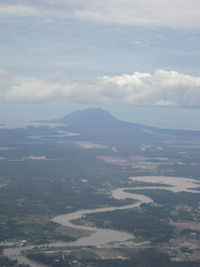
<point x="103" y="236"/>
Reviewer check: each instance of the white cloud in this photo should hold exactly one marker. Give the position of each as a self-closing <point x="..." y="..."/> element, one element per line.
<point x="162" y="88"/>
<point x="17" y="10"/>
<point x="6" y="82"/>
<point x="151" y="13"/>
<point x="33" y="90"/>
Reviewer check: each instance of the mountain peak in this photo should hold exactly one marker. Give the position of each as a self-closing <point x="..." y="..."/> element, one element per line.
<point x="91" y="117"/>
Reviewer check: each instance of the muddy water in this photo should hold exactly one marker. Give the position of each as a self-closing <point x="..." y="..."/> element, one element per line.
<point x="174" y="184"/>
<point x="102" y="236"/>
<point x="99" y="235"/>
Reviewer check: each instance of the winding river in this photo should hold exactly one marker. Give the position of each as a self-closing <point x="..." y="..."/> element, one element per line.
<point x="101" y="236"/>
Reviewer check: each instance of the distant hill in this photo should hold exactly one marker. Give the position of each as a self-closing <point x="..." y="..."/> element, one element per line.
<point x="95" y="118"/>
<point x="98" y="124"/>
<point x="96" y="121"/>
<point x="89" y="117"/>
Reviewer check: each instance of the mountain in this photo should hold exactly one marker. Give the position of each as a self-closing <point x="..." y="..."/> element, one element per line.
<point x="90" y="117"/>
<point x="98" y="124"/>
<point x="95" y="118"/>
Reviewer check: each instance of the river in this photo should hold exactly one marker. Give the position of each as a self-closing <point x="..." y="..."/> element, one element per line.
<point x="101" y="236"/>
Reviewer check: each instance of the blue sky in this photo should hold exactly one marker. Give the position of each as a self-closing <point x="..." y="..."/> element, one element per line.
<point x="99" y="53"/>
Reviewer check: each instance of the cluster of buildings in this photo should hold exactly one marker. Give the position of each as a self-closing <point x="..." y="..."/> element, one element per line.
<point x="9" y="244"/>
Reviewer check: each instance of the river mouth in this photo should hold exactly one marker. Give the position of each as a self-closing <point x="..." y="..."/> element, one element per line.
<point x="101" y="236"/>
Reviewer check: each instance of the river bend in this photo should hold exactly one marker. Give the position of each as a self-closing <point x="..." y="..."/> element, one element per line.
<point x="101" y="236"/>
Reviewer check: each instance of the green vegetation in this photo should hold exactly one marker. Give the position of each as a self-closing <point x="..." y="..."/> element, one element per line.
<point x="62" y="256"/>
<point x="170" y="199"/>
<point x="147" y="223"/>
<point x="142" y="258"/>
<point x="46" y="174"/>
<point x="4" y="261"/>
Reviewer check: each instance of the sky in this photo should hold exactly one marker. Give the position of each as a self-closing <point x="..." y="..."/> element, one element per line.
<point x="58" y="55"/>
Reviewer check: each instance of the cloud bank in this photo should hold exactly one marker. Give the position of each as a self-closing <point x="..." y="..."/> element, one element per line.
<point x="151" y="13"/>
<point x="162" y="88"/>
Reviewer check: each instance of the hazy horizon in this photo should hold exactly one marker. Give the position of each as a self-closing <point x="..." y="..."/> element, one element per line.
<point x="182" y="118"/>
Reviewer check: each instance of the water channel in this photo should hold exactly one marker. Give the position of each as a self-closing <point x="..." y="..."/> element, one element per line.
<point x="101" y="236"/>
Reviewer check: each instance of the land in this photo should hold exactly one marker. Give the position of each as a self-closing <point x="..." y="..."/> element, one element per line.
<point x="47" y="171"/>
